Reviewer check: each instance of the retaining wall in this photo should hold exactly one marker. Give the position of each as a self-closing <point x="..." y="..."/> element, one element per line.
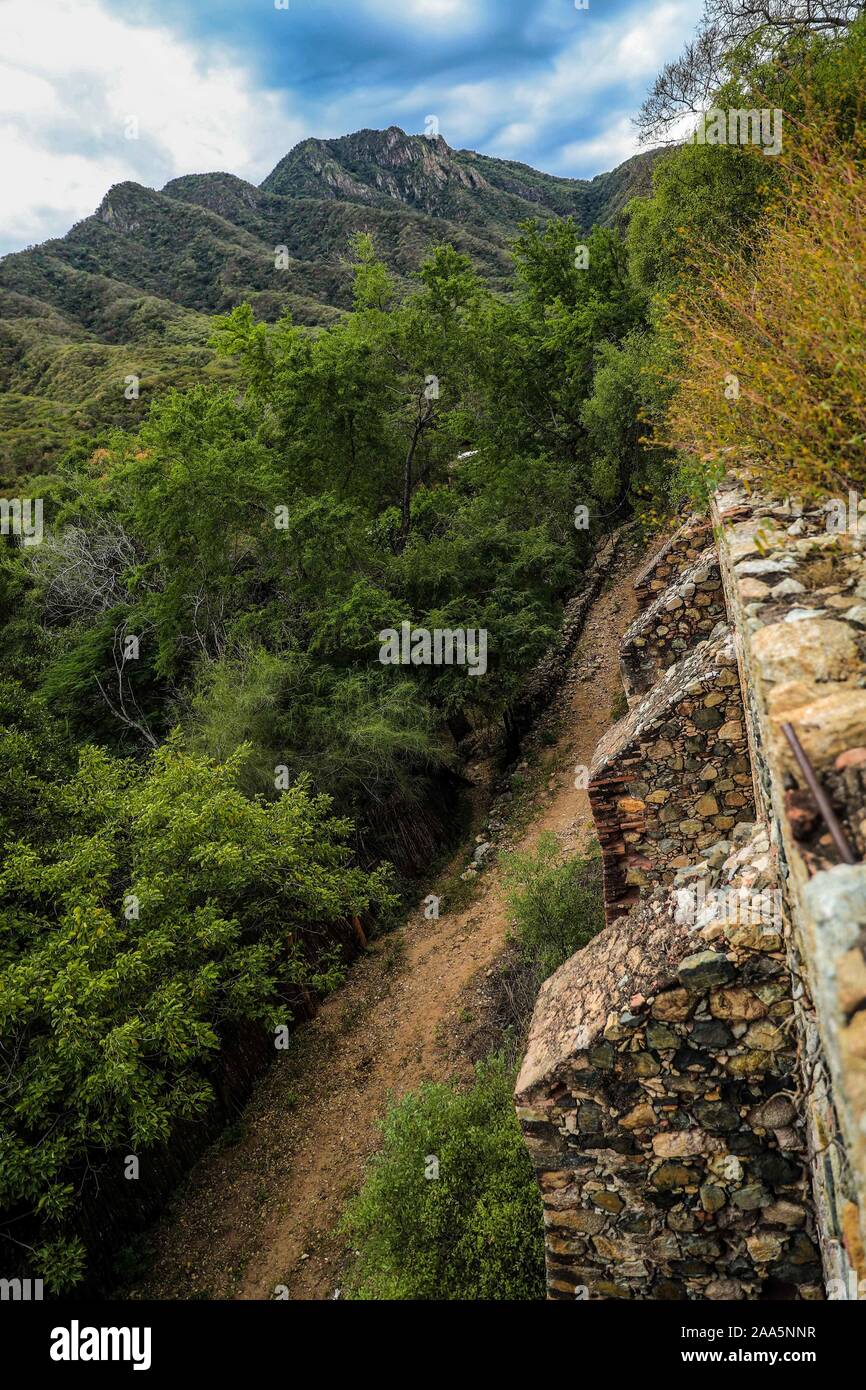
<point x="693" y="1093"/>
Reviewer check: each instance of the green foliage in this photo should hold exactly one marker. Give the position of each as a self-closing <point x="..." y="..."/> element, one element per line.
<point x="557" y="904"/>
<point x="398" y="427"/>
<point x="702" y="195"/>
<point x="475" y="1231"/>
<point x="536" y="354"/>
<point x="630" y="389"/>
<point x="257" y="546"/>
<point x="22" y="636"/>
<point x="130" y="290"/>
<point x="373" y="287"/>
<point x="363" y="737"/>
<point x="34" y="755"/>
<point x="164" y="906"/>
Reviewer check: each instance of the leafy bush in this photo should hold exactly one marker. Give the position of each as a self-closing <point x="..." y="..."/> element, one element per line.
<point x="166" y="906"/>
<point x="557" y="904"/>
<point x="363" y="736"/>
<point x="775" y="345"/>
<point x="473" y="1232"/>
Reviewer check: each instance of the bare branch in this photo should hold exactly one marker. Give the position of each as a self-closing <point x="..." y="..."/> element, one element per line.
<point x="124" y="706"/>
<point x="684" y="87"/>
<point x="83" y="570"/>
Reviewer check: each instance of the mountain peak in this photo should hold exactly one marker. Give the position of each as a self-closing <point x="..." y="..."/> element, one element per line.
<point x="369" y="166"/>
<point x="132" y="282"/>
<point x="381" y="168"/>
<point x="122" y="206"/>
<point x="222" y="193"/>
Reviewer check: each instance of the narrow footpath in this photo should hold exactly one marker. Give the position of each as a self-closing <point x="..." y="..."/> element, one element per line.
<point x="262" y="1209"/>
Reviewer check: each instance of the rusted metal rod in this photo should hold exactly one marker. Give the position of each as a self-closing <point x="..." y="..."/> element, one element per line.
<point x="822" y="800"/>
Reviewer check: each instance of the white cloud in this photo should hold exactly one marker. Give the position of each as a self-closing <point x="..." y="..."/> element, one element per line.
<point x="72" y="76"/>
<point x="604" y="150"/>
<point x="627" y="51"/>
<point x="601" y="69"/>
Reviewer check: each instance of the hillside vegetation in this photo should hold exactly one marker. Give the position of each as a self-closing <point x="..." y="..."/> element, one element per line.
<point x="127" y="291"/>
<point x="215" y="778"/>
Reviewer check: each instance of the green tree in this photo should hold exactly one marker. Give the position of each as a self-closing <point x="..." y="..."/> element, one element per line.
<point x="450" y="1209"/>
<point x="167" y="906"/>
<point x="557" y="904"/>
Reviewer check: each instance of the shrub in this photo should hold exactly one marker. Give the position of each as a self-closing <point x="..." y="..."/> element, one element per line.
<point x="365" y="739"/>
<point x="475" y="1231"/>
<point x="774" y="344"/>
<point x="168" y="907"/>
<point x="556" y="903"/>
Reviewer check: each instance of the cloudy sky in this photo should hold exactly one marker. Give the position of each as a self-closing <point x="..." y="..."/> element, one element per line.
<point x="96" y="91"/>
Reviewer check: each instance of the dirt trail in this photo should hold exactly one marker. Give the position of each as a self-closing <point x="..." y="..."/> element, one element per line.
<point x="261" y="1212"/>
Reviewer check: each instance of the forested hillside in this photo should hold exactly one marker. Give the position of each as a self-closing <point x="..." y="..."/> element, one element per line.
<point x="215" y="779"/>
<point x="127" y="291"/>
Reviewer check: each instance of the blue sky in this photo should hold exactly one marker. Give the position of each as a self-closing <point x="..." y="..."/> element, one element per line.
<point x="93" y="92"/>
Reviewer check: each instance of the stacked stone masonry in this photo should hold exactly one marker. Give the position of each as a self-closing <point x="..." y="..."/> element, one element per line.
<point x="684" y="613"/>
<point x="694" y="1088"/>
<point x="673" y="776"/>
<point x="677" y="553"/>
<point x="659" y="1100"/>
<point x="796" y="592"/>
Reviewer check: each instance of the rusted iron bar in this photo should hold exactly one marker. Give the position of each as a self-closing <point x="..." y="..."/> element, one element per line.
<point x="822" y="801"/>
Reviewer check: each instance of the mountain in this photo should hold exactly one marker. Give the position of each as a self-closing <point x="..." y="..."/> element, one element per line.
<point x="379" y="168"/>
<point x="130" y="289"/>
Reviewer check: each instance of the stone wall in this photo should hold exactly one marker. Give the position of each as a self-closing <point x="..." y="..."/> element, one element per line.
<point x="694" y="1088"/>
<point x="659" y="1100"/>
<point x="681" y="615"/>
<point x="673" y="776"/>
<point x="797" y="597"/>
<point x="679" y="550"/>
